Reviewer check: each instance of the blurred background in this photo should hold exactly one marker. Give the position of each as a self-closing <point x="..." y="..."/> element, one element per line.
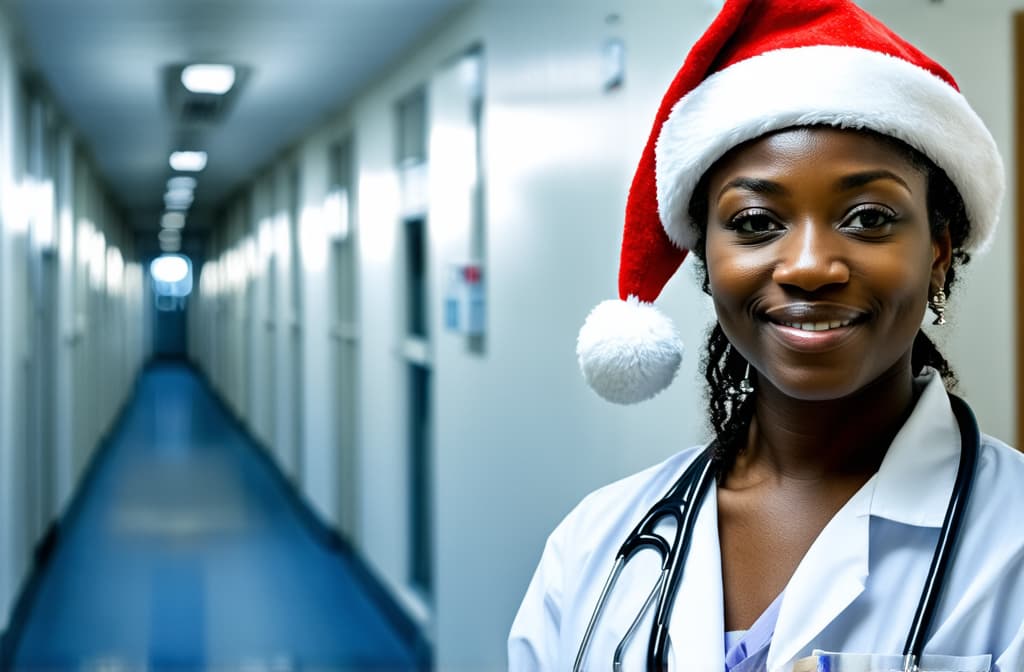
<point x="287" y="370"/>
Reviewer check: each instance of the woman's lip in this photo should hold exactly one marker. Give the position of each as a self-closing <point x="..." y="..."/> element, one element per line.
<point x="812" y="312"/>
<point x="812" y="341"/>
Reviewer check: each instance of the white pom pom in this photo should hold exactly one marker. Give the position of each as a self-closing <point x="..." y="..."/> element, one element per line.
<point x="628" y="351"/>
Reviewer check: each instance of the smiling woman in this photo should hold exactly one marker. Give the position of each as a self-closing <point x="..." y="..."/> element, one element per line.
<point x="819" y="255"/>
<point x="830" y="178"/>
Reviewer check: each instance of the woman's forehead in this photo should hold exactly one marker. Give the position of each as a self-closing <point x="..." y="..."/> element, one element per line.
<point x="820" y="148"/>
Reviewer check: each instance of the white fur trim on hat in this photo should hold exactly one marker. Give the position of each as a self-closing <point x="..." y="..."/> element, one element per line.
<point x="846" y="87"/>
<point x="628" y="350"/>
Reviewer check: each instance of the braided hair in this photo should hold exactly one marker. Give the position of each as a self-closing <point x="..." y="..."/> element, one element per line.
<point x="724" y="367"/>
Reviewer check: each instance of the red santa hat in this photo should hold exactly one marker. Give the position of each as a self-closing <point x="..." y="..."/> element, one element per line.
<point x="765" y="65"/>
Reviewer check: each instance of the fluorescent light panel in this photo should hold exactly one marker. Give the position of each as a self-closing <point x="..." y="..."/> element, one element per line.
<point x="178" y="199"/>
<point x="182" y="195"/>
<point x="177" y="202"/>
<point x="208" y="78"/>
<point x="181" y="182"/>
<point x="173" y="220"/>
<point x="188" y="162"/>
<point x="169" y="236"/>
<point x="169" y="268"/>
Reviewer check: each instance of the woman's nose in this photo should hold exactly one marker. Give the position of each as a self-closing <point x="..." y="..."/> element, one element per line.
<point x="811" y="258"/>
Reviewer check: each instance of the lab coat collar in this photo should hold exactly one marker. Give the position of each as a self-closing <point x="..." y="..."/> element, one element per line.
<point x="831" y="576"/>
<point x="834" y="571"/>
<point x="916" y="476"/>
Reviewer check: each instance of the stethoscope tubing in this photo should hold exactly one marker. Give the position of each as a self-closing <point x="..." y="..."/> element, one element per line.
<point x="970" y="440"/>
<point x="657" y="649"/>
<point x="682" y="503"/>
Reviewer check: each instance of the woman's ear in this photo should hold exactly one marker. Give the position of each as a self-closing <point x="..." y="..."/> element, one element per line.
<point x="942" y="257"/>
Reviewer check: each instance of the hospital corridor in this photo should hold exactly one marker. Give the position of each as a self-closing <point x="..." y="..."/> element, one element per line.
<point x="189" y="534"/>
<point x="289" y="302"/>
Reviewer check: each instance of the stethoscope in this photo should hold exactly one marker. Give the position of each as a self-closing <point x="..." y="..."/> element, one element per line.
<point x="682" y="504"/>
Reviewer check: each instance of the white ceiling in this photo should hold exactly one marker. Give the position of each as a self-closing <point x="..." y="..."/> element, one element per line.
<point x="103" y="61"/>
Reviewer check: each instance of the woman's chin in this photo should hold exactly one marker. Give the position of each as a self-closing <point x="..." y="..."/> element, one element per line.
<point x="833" y="381"/>
<point x="814" y="385"/>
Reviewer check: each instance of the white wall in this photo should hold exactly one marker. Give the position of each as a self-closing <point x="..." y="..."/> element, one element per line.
<point x="262" y="375"/>
<point x="65" y="323"/>
<point x="974" y="41"/>
<point x="319" y="471"/>
<point x="519" y="439"/>
<point x="12" y="560"/>
<point x="383" y="461"/>
<point x="70" y="317"/>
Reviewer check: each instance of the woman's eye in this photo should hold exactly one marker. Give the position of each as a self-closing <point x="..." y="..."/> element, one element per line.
<point x="869" y="218"/>
<point x="754" y="223"/>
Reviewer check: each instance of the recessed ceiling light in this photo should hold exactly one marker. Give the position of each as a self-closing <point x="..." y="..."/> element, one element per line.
<point x="178" y="200"/>
<point x="208" y="78"/>
<point x="188" y="162"/>
<point x="181" y="182"/>
<point x="173" y="220"/>
<point x="179" y="194"/>
<point x="169" y="268"/>
<point x="169" y="236"/>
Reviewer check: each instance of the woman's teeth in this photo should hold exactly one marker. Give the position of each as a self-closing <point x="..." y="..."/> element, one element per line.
<point x="818" y="326"/>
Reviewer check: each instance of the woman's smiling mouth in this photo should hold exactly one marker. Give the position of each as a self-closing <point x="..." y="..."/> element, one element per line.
<point x="818" y="326"/>
<point x="813" y="327"/>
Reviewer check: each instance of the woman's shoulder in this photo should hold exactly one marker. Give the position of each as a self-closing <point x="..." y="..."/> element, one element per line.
<point x="997" y="492"/>
<point x="1000" y="470"/>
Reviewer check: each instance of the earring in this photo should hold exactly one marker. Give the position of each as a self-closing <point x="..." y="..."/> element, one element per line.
<point x="745" y="387"/>
<point x="938" y="305"/>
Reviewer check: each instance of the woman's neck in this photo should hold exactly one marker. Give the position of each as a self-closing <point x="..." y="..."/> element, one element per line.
<point x="835" y="440"/>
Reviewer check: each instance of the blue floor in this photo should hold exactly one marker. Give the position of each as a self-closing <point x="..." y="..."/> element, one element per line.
<point x="186" y="551"/>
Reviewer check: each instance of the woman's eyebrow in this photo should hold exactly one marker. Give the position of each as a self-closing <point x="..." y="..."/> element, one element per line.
<point x="753" y="184"/>
<point x="856" y="180"/>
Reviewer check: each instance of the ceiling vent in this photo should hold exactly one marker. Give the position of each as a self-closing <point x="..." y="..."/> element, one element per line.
<point x="199" y="109"/>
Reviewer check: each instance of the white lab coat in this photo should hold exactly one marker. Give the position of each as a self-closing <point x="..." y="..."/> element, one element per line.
<point x="855" y="591"/>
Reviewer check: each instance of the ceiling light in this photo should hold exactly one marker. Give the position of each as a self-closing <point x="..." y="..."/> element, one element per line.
<point x="180" y="195"/>
<point x="208" y="78"/>
<point x="177" y="202"/>
<point x="181" y="182"/>
<point x="178" y="199"/>
<point x="173" y="220"/>
<point x="169" y="236"/>
<point x="169" y="268"/>
<point x="188" y="162"/>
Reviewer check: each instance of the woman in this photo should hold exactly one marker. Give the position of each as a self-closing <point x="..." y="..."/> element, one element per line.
<point x="830" y="178"/>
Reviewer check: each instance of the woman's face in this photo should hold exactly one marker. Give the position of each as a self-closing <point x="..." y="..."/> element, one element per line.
<point x="820" y="259"/>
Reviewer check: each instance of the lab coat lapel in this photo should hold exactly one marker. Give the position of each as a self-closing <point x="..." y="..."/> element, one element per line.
<point x="697" y="624"/>
<point x="831" y="576"/>
<point x="835" y="569"/>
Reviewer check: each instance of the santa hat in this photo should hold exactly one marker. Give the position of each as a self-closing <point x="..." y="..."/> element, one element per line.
<point x="766" y="65"/>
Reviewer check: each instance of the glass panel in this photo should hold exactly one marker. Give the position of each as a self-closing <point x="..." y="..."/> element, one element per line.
<point x="420" y="463"/>
<point x="412" y="129"/>
<point x="416" y="277"/>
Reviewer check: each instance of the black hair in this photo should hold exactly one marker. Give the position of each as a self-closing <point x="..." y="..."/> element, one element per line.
<point x="724" y="367"/>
